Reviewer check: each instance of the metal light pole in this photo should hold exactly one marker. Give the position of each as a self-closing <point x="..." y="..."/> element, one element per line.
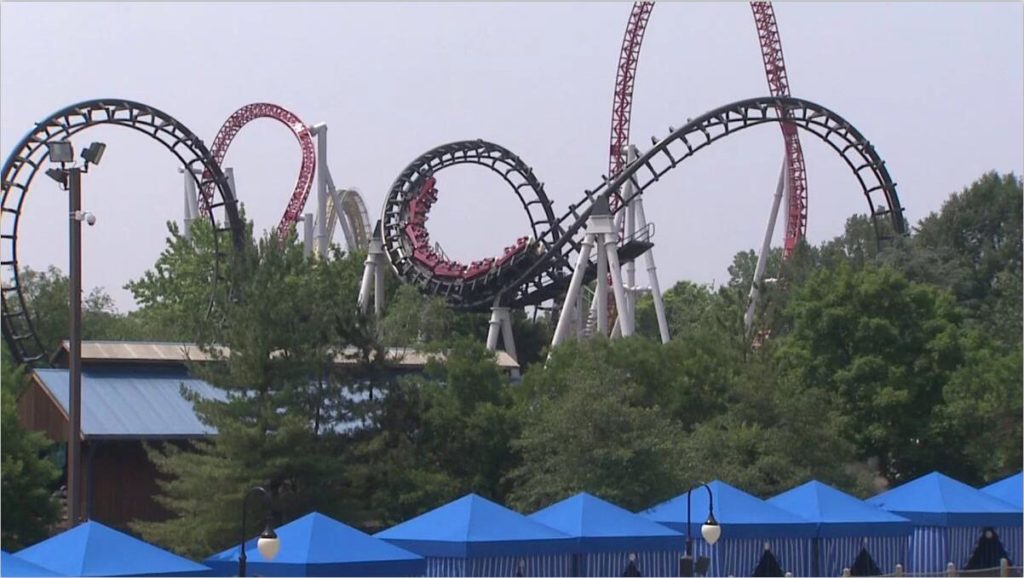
<point x="62" y="152"/>
<point x="268" y="544"/>
<point x="710" y="530"/>
<point x="75" y="368"/>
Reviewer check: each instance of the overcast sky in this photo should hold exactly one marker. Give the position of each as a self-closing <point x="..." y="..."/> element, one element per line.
<point x="937" y="88"/>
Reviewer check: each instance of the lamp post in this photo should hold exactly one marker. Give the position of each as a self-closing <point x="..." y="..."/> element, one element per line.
<point x="268" y="544"/>
<point x="709" y="529"/>
<point x="70" y="179"/>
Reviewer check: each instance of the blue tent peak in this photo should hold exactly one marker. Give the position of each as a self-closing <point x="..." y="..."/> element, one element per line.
<point x="319" y="539"/>
<point x="471" y="518"/>
<point x="587" y="516"/>
<point x="92" y="549"/>
<point x="1009" y="490"/>
<point x="740" y="514"/>
<point x="472" y="526"/>
<point x="839" y="514"/>
<point x="600" y="526"/>
<point x="11" y="565"/>
<point x="938" y="500"/>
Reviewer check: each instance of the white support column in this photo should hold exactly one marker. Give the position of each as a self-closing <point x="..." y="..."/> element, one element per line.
<point x="191" y="212"/>
<point x="625" y="323"/>
<point x="574" y="295"/>
<point x="494" y="328"/>
<point x="307" y="234"/>
<point x="373" y="275"/>
<point x="378" y="285"/>
<point x="627" y="192"/>
<point x="320" y="130"/>
<point x="506" y="333"/>
<point x="762" y="258"/>
<point x="652" y="276"/>
<point x="601" y="292"/>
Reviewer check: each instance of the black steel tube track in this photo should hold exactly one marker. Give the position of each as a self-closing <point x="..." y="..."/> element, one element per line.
<point x="858" y="153"/>
<point x="31" y="154"/>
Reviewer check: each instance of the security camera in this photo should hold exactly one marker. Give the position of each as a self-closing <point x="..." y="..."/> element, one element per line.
<point x="84" y="216"/>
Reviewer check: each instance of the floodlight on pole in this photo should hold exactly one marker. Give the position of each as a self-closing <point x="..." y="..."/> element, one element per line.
<point x="61" y="151"/>
<point x="70" y="179"/>
<point x="93" y="153"/>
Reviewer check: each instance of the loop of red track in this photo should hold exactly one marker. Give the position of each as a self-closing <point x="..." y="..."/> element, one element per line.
<point x="249" y="113"/>
<point x="778" y="85"/>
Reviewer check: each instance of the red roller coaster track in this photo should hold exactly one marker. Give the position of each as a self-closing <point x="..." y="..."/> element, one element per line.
<point x="778" y="85"/>
<point x="249" y="113"/>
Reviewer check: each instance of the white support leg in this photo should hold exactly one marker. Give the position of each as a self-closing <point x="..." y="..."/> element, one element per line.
<point x="620" y="292"/>
<point x="307" y="234"/>
<point x="652" y="276"/>
<point x="378" y="285"/>
<point x="762" y="258"/>
<point x="506" y="333"/>
<point x="630" y="234"/>
<point x="191" y="212"/>
<point x="601" y="292"/>
<point x="494" y="328"/>
<point x="366" y="287"/>
<point x="322" y="241"/>
<point x="573" y="296"/>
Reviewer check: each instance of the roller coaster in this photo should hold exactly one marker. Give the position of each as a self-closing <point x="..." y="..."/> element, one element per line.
<point x="548" y="265"/>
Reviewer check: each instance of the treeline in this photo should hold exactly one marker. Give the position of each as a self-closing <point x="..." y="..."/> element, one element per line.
<point x="872" y="365"/>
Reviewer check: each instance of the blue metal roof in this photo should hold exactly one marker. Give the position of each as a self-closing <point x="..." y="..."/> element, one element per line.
<point x="133" y="403"/>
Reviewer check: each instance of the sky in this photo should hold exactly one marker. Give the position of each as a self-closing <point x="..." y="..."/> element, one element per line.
<point x="938" y="88"/>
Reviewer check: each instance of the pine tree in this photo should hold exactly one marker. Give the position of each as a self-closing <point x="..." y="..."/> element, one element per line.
<point x="282" y="423"/>
<point x="27" y="476"/>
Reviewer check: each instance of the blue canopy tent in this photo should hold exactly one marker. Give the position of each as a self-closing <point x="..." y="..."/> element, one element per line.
<point x="473" y="536"/>
<point x="92" y="549"/>
<point x="950" y="519"/>
<point x="749" y="526"/>
<point x="845" y="527"/>
<point x="316" y="545"/>
<point x="11" y="565"/>
<point x="1009" y="490"/>
<point x="605" y="536"/>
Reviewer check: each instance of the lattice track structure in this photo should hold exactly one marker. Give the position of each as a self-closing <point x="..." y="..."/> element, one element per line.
<point x="778" y="85"/>
<point x="546" y="274"/>
<point x="307" y="169"/>
<point x="397" y="216"/>
<point x="31" y="154"/>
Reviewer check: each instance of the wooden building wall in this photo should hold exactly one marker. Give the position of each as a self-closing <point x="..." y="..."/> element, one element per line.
<point x="121" y="484"/>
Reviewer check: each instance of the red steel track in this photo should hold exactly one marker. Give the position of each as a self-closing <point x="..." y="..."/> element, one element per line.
<point x="249" y="113"/>
<point x="778" y="85"/>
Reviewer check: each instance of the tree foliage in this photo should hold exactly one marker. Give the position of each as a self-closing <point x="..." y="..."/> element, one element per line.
<point x="29" y="508"/>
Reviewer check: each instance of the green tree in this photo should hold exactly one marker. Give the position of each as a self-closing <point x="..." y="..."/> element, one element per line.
<point x="27" y="475"/>
<point x="979" y="233"/>
<point x="980" y="419"/>
<point x="286" y="411"/>
<point x="587" y="432"/>
<point x="436" y="437"/>
<point x="47" y="296"/>
<point x="884" y="347"/>
<point x="176" y="297"/>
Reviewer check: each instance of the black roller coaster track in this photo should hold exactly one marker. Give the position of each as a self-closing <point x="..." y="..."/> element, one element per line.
<point x="546" y="275"/>
<point x="30" y="155"/>
<point x="395" y="214"/>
